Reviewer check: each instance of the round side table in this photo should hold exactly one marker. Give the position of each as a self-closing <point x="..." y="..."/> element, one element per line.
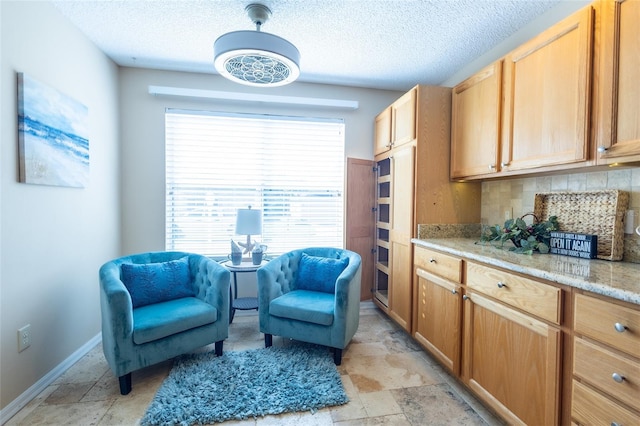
<point x="241" y="303"/>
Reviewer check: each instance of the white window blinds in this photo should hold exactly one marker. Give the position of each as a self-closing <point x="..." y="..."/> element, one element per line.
<point x="291" y="168"/>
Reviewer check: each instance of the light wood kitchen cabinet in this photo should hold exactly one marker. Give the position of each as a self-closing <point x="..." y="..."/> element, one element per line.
<point x="617" y="84"/>
<point x="382" y="132"/>
<point x="475" y="124"/>
<point x="396" y="125"/>
<point x="511" y="357"/>
<point x="547" y="86"/>
<point x="403" y="118"/>
<point x="413" y="187"/>
<point x="400" y="234"/>
<point x="511" y="360"/>
<point x="438" y="322"/>
<point x="606" y="362"/>
<point x="395" y="189"/>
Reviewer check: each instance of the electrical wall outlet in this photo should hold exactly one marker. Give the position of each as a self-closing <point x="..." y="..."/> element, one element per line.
<point x="24" y="337"/>
<point x="508" y="213"/>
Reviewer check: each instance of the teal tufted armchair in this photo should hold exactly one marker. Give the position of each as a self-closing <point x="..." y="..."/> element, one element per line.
<point x="158" y="305"/>
<point x="306" y="295"/>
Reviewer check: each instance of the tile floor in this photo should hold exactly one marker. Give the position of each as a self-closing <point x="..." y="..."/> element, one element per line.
<point x="389" y="379"/>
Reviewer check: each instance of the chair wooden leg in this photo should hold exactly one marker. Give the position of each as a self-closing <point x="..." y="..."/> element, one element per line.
<point x="337" y="356"/>
<point x="268" y="340"/>
<point x="125" y="383"/>
<point x="219" y="347"/>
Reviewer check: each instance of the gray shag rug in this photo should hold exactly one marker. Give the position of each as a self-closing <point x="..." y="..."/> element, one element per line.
<point x="203" y="388"/>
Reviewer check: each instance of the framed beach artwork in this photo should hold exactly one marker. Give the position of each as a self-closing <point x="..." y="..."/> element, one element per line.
<point x="52" y="136"/>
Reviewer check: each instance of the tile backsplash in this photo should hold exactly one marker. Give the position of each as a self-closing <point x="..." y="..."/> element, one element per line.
<point x="516" y="196"/>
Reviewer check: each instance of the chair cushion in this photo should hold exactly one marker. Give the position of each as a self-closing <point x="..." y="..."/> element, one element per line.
<point x="150" y="283"/>
<point x="303" y="305"/>
<point x="153" y="322"/>
<point x="319" y="273"/>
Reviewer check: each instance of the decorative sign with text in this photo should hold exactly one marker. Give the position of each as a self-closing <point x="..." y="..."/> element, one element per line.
<point x="575" y="245"/>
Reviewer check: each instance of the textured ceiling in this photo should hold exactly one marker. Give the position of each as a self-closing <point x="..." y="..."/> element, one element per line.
<point x="385" y="44"/>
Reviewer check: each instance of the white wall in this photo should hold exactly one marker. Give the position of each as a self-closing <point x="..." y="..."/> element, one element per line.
<point x="142" y="120"/>
<point x="53" y="239"/>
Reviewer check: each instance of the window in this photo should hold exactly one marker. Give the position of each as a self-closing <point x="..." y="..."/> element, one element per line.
<point x="291" y="168"/>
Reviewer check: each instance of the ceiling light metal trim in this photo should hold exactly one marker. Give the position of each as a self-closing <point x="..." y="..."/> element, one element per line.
<point x="255" y="58"/>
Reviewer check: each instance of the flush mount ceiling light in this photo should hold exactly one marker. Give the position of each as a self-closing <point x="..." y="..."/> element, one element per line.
<point x="255" y="58"/>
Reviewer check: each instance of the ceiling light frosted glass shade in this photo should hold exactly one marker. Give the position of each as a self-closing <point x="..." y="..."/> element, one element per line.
<point x="256" y="59"/>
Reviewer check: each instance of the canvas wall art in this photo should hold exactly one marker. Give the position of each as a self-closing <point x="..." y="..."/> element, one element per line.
<point x="52" y="136"/>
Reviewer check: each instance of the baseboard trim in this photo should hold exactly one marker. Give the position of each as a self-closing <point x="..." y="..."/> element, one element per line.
<point x="27" y="396"/>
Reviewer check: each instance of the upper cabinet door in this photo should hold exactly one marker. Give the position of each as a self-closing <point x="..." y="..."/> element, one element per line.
<point x="618" y="82"/>
<point x="547" y="96"/>
<point x="475" y="126"/>
<point x="382" y="132"/>
<point x="403" y="112"/>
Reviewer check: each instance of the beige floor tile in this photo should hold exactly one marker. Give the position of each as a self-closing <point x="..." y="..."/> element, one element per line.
<point x="107" y="388"/>
<point x="32" y="405"/>
<point x="392" y="371"/>
<point x="127" y="410"/>
<point x="354" y="409"/>
<point x="68" y="393"/>
<point x="357" y="349"/>
<point x="392" y="420"/>
<point x="378" y="404"/>
<point x="319" y="418"/>
<point x="435" y="405"/>
<point x="89" y="368"/>
<point x="82" y="413"/>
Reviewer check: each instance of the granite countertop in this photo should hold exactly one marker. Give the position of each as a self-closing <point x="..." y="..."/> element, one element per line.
<point x="619" y="280"/>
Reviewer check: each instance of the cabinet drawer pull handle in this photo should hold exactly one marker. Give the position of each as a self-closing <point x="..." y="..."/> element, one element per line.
<point x="620" y="328"/>
<point x="617" y="378"/>
<point x="432" y="260"/>
<point x="501" y="284"/>
<point x="615" y="424"/>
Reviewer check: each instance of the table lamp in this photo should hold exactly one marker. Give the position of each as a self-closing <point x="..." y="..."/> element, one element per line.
<point x="248" y="222"/>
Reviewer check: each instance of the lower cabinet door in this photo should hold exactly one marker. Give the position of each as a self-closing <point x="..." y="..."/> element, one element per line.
<point x="511" y="361"/>
<point x="439" y="316"/>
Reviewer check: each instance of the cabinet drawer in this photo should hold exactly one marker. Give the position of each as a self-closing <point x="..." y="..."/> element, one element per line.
<point x="443" y="265"/>
<point x="597" y="365"/>
<point x="539" y="299"/>
<point x="591" y="408"/>
<point x="600" y="320"/>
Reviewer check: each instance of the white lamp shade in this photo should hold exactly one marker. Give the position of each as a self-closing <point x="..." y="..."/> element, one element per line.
<point x="249" y="222"/>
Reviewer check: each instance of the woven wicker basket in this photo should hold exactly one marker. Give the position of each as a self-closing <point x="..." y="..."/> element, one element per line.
<point x="599" y="213"/>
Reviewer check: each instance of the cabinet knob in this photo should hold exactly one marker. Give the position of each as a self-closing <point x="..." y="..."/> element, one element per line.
<point x="492" y="166"/>
<point x="465" y="297"/>
<point x="602" y="149"/>
<point x="617" y="378"/>
<point x="620" y="328"/>
<point x="432" y="260"/>
<point x="454" y="291"/>
<point x="504" y="164"/>
<point x="615" y="424"/>
<point x="501" y="284"/>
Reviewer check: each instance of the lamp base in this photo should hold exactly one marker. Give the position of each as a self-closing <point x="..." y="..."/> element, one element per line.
<point x="248" y="246"/>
